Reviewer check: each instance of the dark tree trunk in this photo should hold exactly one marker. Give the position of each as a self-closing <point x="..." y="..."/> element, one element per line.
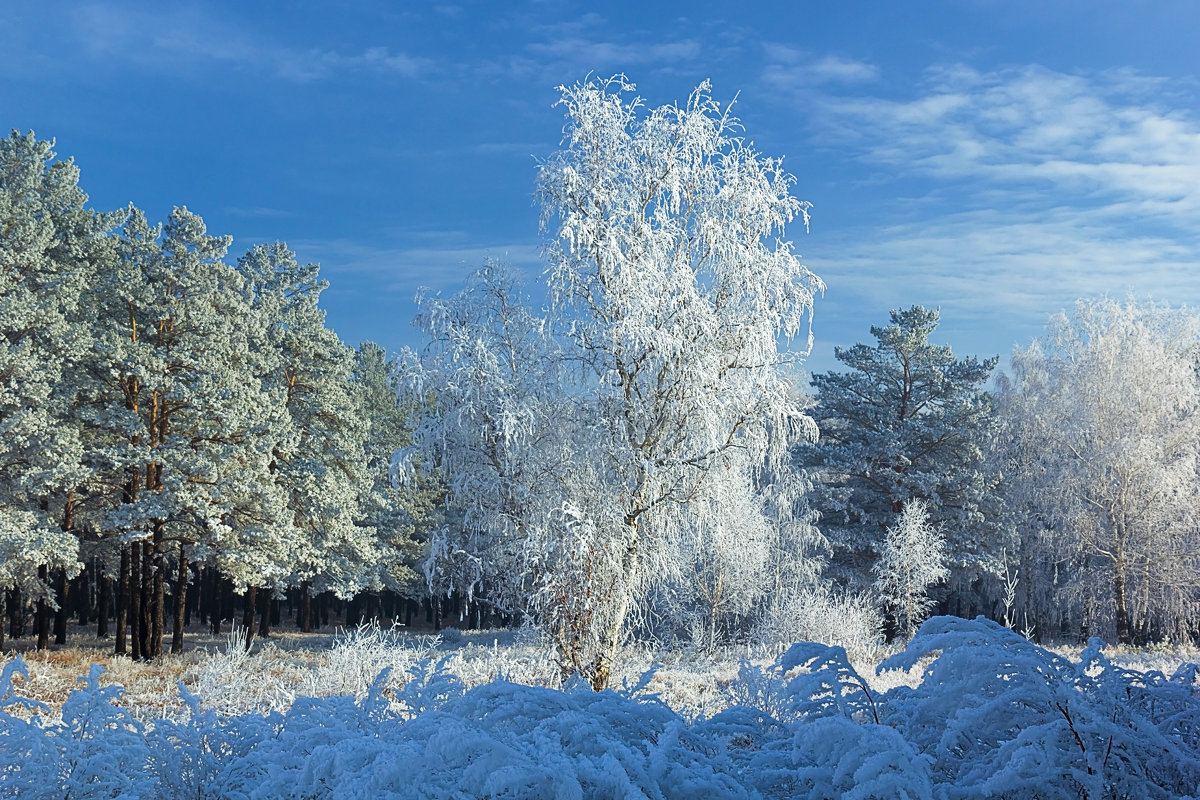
<point x="158" y="591"/>
<point x="124" y="581"/>
<point x="16" y="614"/>
<point x="180" y="601"/>
<point x="304" y="614"/>
<point x="102" y="590"/>
<point x="264" y="613"/>
<point x="135" y="601"/>
<point x="43" y="613"/>
<point x="147" y="599"/>
<point x="60" y="616"/>
<point x="81" y="591"/>
<point x="248" y="610"/>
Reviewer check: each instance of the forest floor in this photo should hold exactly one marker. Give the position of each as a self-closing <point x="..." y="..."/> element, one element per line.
<point x="288" y="664"/>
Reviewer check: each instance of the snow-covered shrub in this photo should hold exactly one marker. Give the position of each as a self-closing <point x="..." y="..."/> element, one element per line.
<point x="358" y="656"/>
<point x="994" y="716"/>
<point x="1003" y="717"/>
<point x="239" y="681"/>
<point x="97" y="750"/>
<point x="851" y="621"/>
<point x="813" y="731"/>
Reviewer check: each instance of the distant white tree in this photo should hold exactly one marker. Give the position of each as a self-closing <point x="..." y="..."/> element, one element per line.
<point x="506" y="439"/>
<point x="1101" y="436"/>
<point x="913" y="558"/>
<point x="673" y="286"/>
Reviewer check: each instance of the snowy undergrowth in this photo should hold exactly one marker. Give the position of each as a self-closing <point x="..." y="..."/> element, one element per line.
<point x="992" y="716"/>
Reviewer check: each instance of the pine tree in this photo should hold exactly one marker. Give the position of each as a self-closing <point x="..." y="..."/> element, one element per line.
<point x="49" y="246"/>
<point x="401" y="512"/>
<point x="320" y="465"/>
<point x="176" y="414"/>
<point x="907" y="421"/>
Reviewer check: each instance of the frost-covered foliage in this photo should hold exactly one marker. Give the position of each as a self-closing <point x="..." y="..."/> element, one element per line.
<point x="319" y="461"/>
<point x="1101" y="440"/>
<point x="1002" y="717"/>
<point x="633" y="443"/>
<point x="912" y="559"/>
<point x="995" y="716"/>
<point x="823" y="614"/>
<point x="908" y="420"/>
<point x="49" y="246"/>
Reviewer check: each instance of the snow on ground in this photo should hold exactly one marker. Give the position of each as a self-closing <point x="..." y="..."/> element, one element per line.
<point x="968" y="709"/>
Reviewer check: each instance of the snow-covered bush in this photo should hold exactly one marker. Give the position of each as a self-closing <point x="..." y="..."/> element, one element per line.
<point x="848" y="620"/>
<point x="1003" y="717"/>
<point x="995" y="716"/>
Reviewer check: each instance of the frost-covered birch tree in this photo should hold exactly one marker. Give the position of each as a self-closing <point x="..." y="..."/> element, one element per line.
<point x="1101" y="436"/>
<point x="670" y="277"/>
<point x="504" y="435"/>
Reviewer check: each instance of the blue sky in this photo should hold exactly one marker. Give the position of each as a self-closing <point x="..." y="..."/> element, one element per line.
<point x="997" y="159"/>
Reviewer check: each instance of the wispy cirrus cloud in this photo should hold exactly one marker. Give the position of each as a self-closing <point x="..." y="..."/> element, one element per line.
<point x="186" y="38"/>
<point x="789" y="68"/>
<point x="1039" y="136"/>
<point x="1015" y="191"/>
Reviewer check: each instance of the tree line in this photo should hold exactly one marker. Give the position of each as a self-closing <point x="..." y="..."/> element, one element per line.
<point x="639" y="459"/>
<point x="170" y="419"/>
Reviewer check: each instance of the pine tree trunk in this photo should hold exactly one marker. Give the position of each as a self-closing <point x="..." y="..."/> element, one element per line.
<point x="248" y="609"/>
<point x="158" y="595"/>
<point x="43" y="613"/>
<point x="16" y="615"/>
<point x="124" y="581"/>
<point x="264" y="613"/>
<point x="135" y="601"/>
<point x="60" y="589"/>
<point x="3" y="616"/>
<point x="180" y="601"/>
<point x="81" y="590"/>
<point x="304" y="614"/>
<point x="147" y="599"/>
<point x="102" y="589"/>
<point x="60" y="616"/>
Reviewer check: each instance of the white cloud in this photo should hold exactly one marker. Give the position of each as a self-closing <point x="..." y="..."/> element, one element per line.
<point x="441" y="260"/>
<point x="1039" y="134"/>
<point x="186" y="38"/>
<point x="790" y="70"/>
<point x="1022" y="190"/>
